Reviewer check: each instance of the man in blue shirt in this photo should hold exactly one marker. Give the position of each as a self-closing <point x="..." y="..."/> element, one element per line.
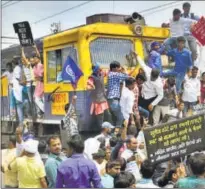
<point x="197" y="168"/>
<point x="154" y="60"/>
<point x="112" y="170"/>
<point x="54" y="160"/>
<point x="187" y="33"/>
<point x="183" y="63"/>
<point x="77" y="171"/>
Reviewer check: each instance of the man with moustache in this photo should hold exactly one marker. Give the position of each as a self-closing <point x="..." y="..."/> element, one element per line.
<point x="54" y="160"/>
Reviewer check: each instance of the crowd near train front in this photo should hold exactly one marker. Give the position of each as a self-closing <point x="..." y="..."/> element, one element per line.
<point x="117" y="157"/>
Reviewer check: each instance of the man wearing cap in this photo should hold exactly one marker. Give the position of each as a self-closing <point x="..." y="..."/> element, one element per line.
<point x="183" y="62"/>
<point x="21" y="138"/>
<point x="106" y="132"/>
<point x="30" y="170"/>
<point x="154" y="60"/>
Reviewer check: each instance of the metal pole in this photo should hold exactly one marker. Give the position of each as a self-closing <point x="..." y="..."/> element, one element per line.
<point x="7" y="37"/>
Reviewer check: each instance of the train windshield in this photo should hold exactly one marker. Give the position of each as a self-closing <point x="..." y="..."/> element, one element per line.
<point x="105" y="50"/>
<point x="56" y="60"/>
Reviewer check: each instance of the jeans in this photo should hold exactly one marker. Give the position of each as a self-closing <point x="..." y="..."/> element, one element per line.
<point x="143" y="111"/>
<point x="29" y="93"/>
<point x="188" y="106"/>
<point x="179" y="78"/>
<point x="116" y="110"/>
<point x="171" y="43"/>
<point x="32" y="105"/>
<point x="20" y="109"/>
<point x="11" y="101"/>
<point x="192" y="45"/>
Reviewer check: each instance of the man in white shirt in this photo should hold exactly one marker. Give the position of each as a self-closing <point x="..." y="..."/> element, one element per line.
<point x="105" y="133"/>
<point x="152" y="89"/>
<point x="18" y="89"/>
<point x="129" y="155"/>
<point x="191" y="94"/>
<point x="178" y="26"/>
<point x="127" y="99"/>
<point x="189" y="37"/>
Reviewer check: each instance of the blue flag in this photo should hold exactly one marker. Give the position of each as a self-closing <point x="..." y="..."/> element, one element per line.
<point x="71" y="72"/>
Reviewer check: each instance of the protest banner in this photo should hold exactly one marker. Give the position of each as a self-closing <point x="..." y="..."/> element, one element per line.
<point x="199" y="108"/>
<point x="198" y="31"/>
<point x="175" y="139"/>
<point x="23" y="30"/>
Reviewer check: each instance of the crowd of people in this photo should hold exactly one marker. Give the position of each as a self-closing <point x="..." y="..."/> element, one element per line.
<point x="117" y="157"/>
<point x="25" y="84"/>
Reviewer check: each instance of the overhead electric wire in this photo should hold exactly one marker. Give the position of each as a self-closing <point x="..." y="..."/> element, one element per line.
<point x="150" y="13"/>
<point x="5" y="3"/>
<point x="69" y="9"/>
<point x="10" y="43"/>
<point x="11" y="4"/>
<point x="8" y="37"/>
<point x="146" y="10"/>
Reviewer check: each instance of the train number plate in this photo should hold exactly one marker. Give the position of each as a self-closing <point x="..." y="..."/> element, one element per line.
<point x="58" y="103"/>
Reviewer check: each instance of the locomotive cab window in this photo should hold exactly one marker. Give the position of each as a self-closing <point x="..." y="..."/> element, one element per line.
<point x="56" y="60"/>
<point x="105" y="50"/>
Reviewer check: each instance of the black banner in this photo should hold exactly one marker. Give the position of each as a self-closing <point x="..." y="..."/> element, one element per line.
<point x="175" y="139"/>
<point x="23" y="30"/>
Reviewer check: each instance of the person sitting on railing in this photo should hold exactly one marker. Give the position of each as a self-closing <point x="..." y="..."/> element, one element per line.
<point x="178" y="26"/>
<point x="189" y="37"/>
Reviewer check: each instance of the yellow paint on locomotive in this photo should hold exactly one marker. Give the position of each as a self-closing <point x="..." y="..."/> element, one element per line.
<point x="81" y="38"/>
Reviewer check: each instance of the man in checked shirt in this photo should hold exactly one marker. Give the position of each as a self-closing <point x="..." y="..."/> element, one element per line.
<point x="115" y="76"/>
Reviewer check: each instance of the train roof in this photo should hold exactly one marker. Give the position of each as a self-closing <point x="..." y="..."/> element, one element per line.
<point x="75" y="34"/>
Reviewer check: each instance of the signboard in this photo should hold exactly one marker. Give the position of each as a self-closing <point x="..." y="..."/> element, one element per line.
<point x="59" y="102"/>
<point x="198" y="31"/>
<point x="174" y="139"/>
<point x="199" y="108"/>
<point x="24" y="33"/>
